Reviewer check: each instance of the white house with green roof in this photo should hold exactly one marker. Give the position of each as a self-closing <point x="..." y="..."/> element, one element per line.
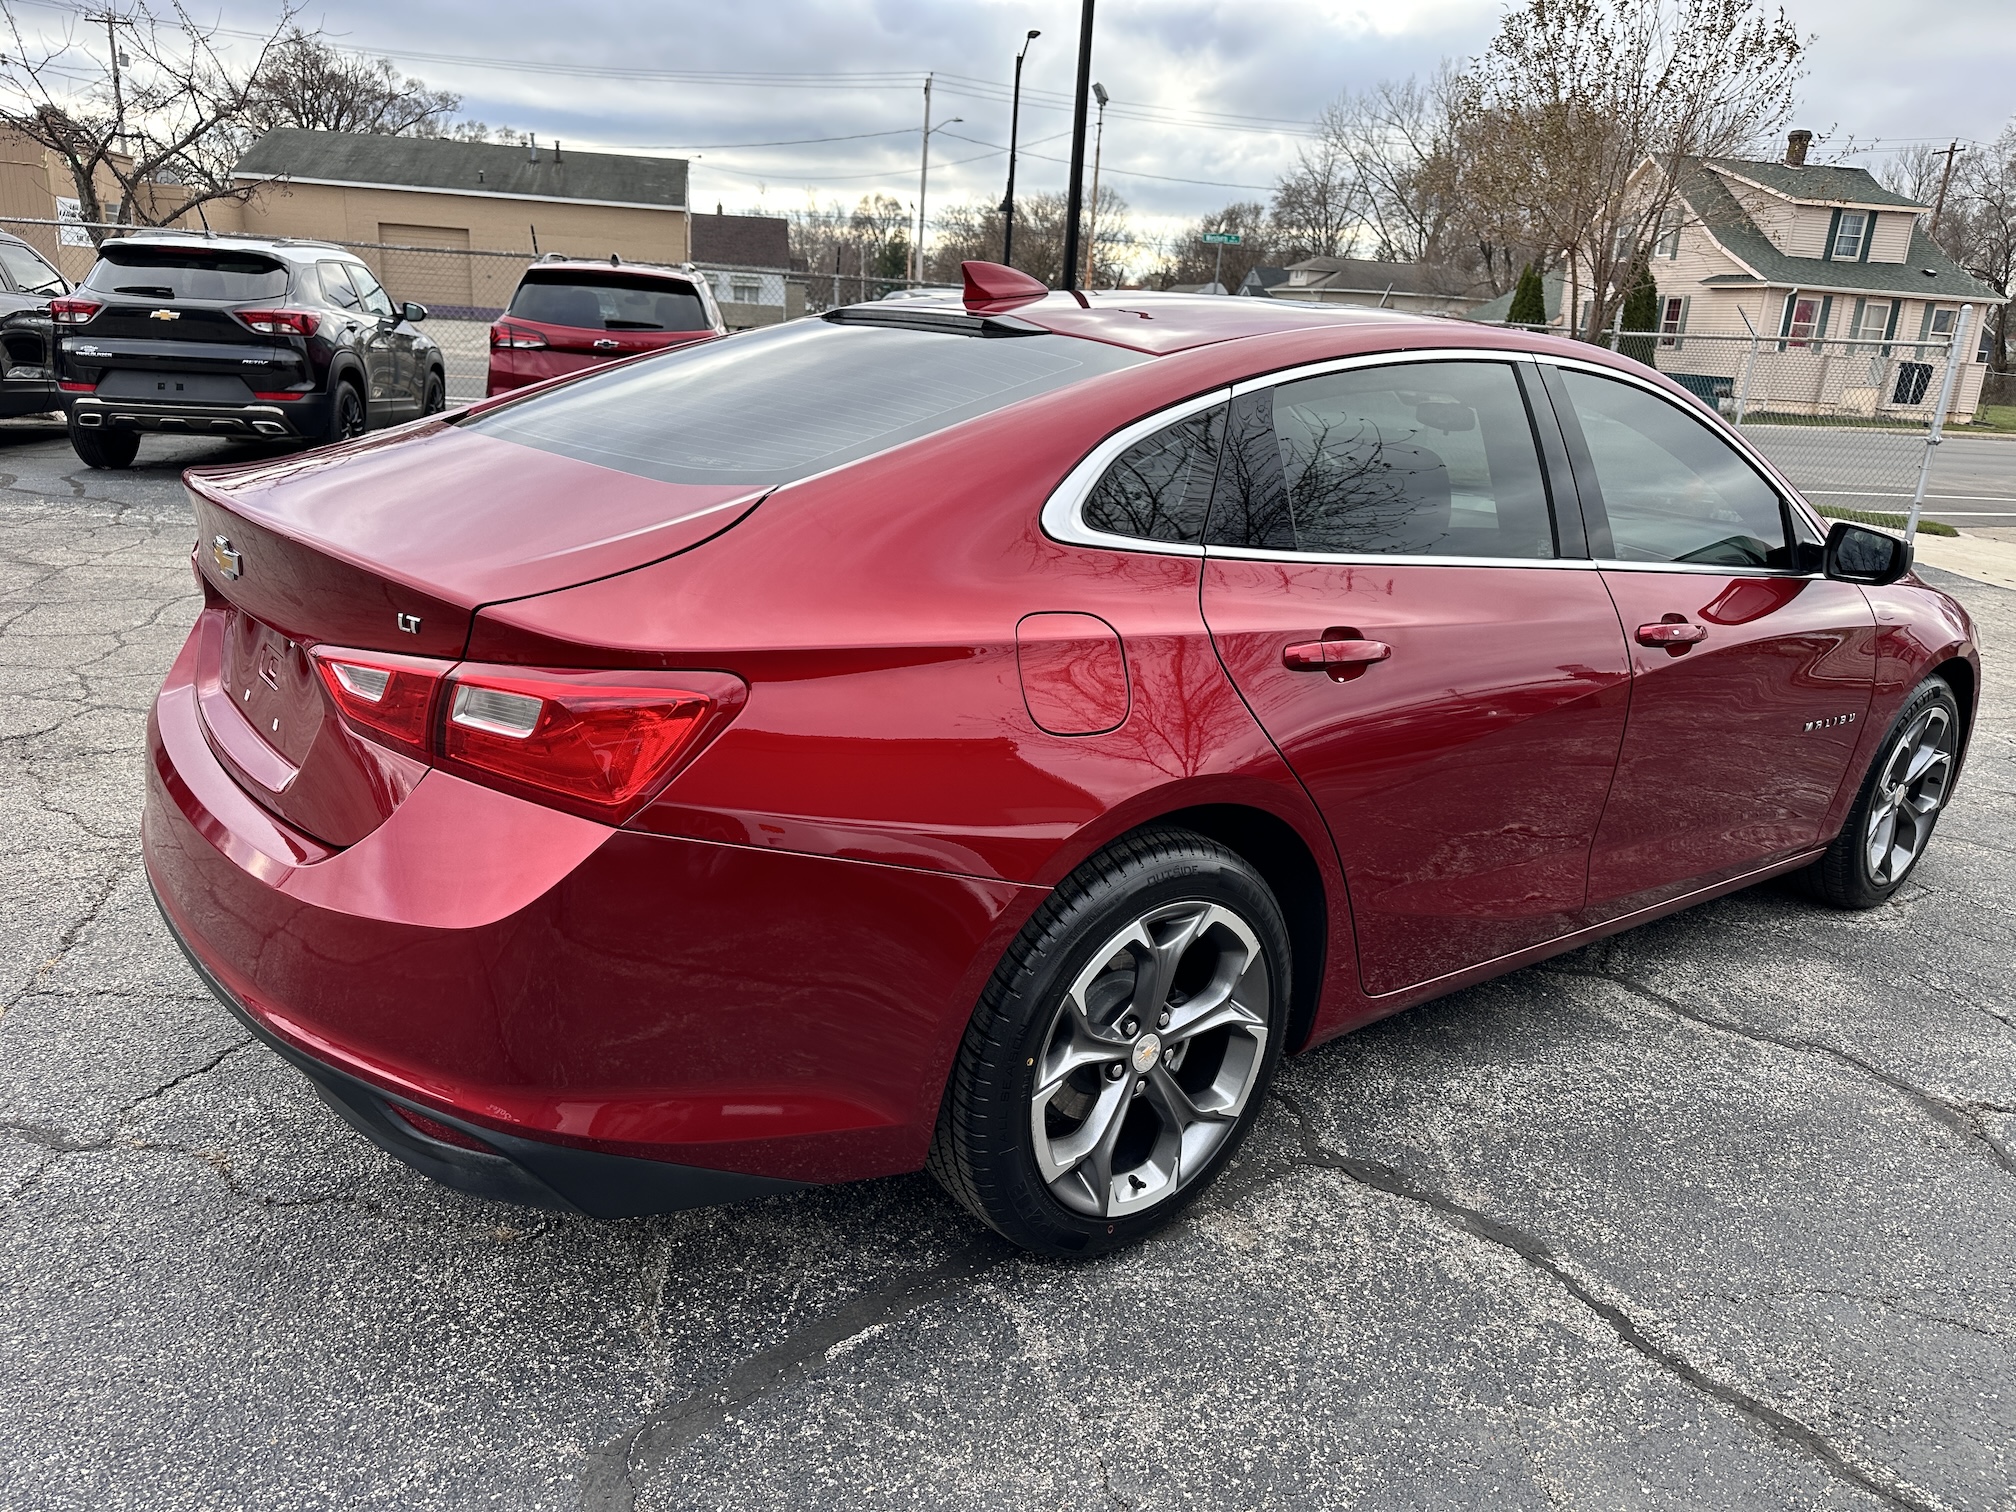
<point x="1853" y="302"/>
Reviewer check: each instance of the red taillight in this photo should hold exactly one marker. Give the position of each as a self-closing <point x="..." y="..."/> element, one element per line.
<point x="595" y="743"/>
<point x="390" y="697"/>
<point x="296" y="394"/>
<point x="282" y="322"/>
<point x="73" y="311"/>
<point x="433" y="1128"/>
<point x="75" y="388"/>
<point x="504" y="334"/>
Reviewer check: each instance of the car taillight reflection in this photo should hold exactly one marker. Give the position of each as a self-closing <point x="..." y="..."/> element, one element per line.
<point x="517" y="338"/>
<point x="593" y="743"/>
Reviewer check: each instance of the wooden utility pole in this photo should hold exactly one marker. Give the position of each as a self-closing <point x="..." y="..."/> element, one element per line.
<point x="1939" y="207"/>
<point x="112" y="23"/>
<point x="1074" y="199"/>
<point x="1092" y="213"/>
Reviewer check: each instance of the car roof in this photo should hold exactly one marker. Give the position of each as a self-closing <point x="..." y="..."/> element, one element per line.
<point x="685" y="273"/>
<point x="287" y="248"/>
<point x="1153" y="322"/>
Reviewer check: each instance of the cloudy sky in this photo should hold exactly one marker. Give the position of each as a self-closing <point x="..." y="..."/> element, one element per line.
<point x="1208" y="95"/>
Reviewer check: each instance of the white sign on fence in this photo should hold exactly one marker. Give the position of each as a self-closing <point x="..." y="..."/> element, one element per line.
<point x="71" y="232"/>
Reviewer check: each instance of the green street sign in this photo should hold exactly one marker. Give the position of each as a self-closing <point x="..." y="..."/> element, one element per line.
<point x="1220" y="238"/>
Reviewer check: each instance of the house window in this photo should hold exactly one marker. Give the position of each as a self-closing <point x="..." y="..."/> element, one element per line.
<point x="1805" y="317"/>
<point x="1625" y="243"/>
<point x="1672" y="321"/>
<point x="1941" y="328"/>
<point x="1669" y="237"/>
<point x="1849" y="234"/>
<point x="1875" y="317"/>
<point x="746" y="290"/>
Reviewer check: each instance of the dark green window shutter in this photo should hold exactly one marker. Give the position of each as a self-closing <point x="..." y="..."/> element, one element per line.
<point x="1820" y="325"/>
<point x="1890" y="329"/>
<point x="1868" y="235"/>
<point x="1855" y="320"/>
<point x="1833" y="230"/>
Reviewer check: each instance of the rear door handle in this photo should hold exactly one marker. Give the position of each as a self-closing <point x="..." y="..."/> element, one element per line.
<point x="1671" y="633"/>
<point x="1315" y="656"/>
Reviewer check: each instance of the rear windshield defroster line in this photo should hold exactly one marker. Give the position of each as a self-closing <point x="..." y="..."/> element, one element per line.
<point x="772" y="406"/>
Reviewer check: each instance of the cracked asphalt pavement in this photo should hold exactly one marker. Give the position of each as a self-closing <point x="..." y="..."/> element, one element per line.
<point x="1720" y="1213"/>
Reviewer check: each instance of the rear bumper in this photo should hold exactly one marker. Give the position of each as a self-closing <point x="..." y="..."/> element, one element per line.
<point x="301" y="419"/>
<point x="531" y="1172"/>
<point x="580" y="999"/>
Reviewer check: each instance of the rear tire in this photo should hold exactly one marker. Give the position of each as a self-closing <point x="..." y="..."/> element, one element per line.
<point x="1902" y="796"/>
<point x="1121" y="1051"/>
<point x="347" y="419"/>
<point x="436" y="398"/>
<point x="113" y="449"/>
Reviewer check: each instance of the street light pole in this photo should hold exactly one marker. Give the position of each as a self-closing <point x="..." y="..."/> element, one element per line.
<point x="1098" y="147"/>
<point x="1075" y="202"/>
<point x="1014" y="126"/>
<point x="923" y="174"/>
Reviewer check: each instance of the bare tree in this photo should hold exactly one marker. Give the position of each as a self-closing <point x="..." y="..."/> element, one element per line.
<point x="972" y="232"/>
<point x="1978" y="228"/>
<point x="1573" y="98"/>
<point x="160" y="113"/>
<point x="1316" y="209"/>
<point x="307" y="83"/>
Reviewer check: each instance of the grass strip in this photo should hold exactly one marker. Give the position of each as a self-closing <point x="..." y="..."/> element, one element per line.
<point x="1887" y="521"/>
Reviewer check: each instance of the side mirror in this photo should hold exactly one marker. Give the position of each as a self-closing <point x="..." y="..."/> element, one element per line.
<point x="413" y="312"/>
<point x="1857" y="554"/>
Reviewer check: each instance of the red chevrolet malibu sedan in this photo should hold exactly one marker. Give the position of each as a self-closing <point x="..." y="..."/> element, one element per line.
<point x="986" y="735"/>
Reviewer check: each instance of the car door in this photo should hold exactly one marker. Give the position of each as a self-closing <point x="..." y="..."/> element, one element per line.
<point x="1386" y="584"/>
<point x="27" y="284"/>
<point x="385" y="357"/>
<point x="1750" y="675"/>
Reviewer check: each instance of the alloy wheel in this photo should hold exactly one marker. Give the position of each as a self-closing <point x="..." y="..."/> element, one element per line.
<point x="1911" y="786"/>
<point x="1150" y="1059"/>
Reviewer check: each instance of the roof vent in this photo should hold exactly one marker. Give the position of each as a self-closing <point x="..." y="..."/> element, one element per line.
<point x="1795" y="148"/>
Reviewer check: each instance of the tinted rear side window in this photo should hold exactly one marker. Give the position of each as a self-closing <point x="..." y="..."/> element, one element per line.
<point x="146" y="272"/>
<point x="771" y="406"/>
<point x="1159" y="488"/>
<point x="609" y="302"/>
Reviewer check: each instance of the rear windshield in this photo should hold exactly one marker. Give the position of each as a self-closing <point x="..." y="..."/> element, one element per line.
<point x="186" y="273"/>
<point x="609" y="302"/>
<point x="774" y="405"/>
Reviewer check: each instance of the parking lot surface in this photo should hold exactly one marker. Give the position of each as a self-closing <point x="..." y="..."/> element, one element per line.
<point x="1721" y="1213"/>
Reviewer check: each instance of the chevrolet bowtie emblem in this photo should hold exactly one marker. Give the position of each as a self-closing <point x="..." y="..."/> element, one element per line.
<point x="229" y="560"/>
<point x="166" y="315"/>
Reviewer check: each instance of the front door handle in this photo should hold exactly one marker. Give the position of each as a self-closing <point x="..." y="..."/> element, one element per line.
<point x="1670" y="633"/>
<point x="1318" y="656"/>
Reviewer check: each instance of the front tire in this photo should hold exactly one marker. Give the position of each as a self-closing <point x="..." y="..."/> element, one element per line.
<point x="1898" y="807"/>
<point x="435" y="399"/>
<point x="114" y="449"/>
<point x="1122" y="1049"/>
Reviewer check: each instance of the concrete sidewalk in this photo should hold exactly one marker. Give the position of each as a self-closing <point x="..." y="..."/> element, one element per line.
<point x="1979" y="557"/>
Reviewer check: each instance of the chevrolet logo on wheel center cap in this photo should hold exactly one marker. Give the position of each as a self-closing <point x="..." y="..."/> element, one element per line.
<point x="1146" y="1051"/>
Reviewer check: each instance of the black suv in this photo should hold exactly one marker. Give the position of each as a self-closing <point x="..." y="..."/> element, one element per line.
<point x="236" y="337"/>
<point x="27" y="284"/>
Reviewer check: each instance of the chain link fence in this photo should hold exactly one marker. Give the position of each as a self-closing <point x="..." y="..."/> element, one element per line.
<point x="464" y="288"/>
<point x="1854" y="422"/>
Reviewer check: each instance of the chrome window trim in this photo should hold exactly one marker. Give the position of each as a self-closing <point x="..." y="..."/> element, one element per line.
<point x="1382" y="559"/>
<point x="1062" y="519"/>
<point x="1063" y="512"/>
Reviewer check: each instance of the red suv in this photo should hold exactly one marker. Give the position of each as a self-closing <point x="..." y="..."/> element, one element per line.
<point x="567" y="315"/>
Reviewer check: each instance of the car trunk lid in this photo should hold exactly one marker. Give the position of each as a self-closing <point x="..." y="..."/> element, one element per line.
<point x="392" y="548"/>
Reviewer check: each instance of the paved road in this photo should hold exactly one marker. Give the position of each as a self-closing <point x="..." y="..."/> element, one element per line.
<point x="1973" y="482"/>
<point x="1720" y="1214"/>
